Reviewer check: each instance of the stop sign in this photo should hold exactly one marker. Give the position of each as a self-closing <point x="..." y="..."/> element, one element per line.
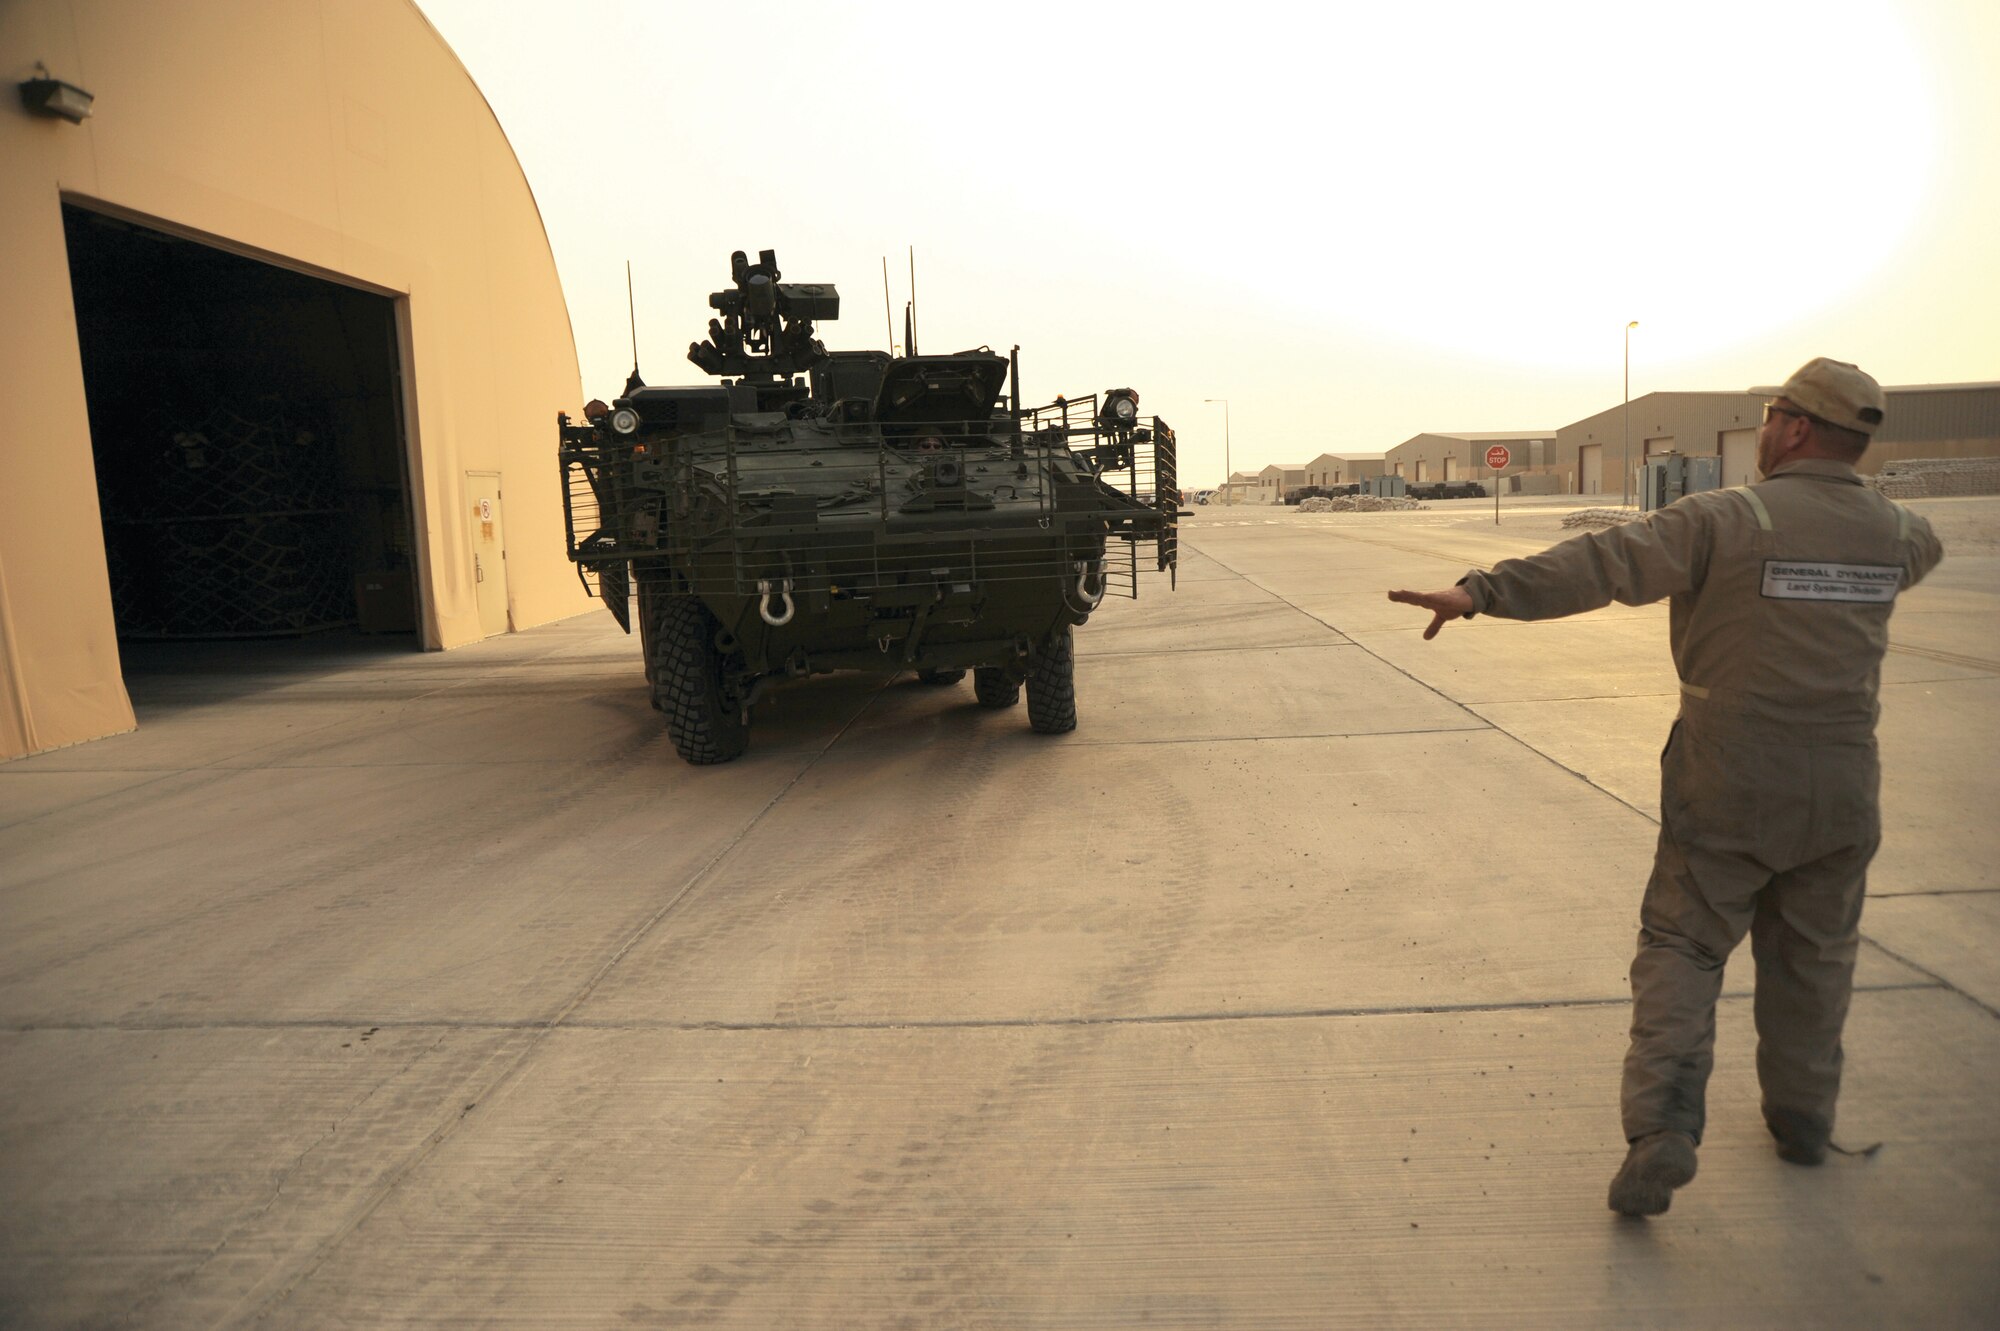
<point x="1497" y="457"/>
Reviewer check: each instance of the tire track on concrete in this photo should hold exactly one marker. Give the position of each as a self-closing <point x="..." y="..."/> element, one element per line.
<point x="512" y="1068"/>
<point x="948" y="1277"/>
<point x="415" y="848"/>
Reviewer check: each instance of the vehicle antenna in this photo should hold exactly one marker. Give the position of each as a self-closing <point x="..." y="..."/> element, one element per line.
<point x="632" y="312"/>
<point x="913" y="300"/>
<point x="888" y="319"/>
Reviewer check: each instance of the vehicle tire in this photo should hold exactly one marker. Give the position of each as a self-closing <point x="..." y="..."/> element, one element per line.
<point x="687" y="683"/>
<point x="1052" y="684"/>
<point x="940" y="677"/>
<point x="994" y="689"/>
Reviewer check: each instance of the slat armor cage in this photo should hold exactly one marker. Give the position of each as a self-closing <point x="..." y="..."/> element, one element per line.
<point x="852" y="510"/>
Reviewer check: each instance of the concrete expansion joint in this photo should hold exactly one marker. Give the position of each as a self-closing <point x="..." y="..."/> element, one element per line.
<point x="1160" y="1018"/>
<point x="1937" y="981"/>
<point x="166" y="1026"/>
<point x="1235" y="651"/>
<point x="1482" y="724"/>
<point x="1572" y="697"/>
<point x="564" y="1023"/>
<point x="1945" y="658"/>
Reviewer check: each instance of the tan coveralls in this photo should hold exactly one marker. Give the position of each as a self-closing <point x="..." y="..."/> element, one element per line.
<point x="1780" y="615"/>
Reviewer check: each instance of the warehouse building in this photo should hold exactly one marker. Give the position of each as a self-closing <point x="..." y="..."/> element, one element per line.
<point x="1344" y="468"/>
<point x="1275" y="480"/>
<point x="1923" y="421"/>
<point x="1454" y="457"/>
<point x="1593" y="453"/>
<point x="284" y="350"/>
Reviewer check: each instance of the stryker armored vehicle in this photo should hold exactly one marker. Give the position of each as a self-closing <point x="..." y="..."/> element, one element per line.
<point x="825" y="510"/>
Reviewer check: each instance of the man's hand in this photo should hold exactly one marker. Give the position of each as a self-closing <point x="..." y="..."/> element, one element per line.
<point x="1451" y="603"/>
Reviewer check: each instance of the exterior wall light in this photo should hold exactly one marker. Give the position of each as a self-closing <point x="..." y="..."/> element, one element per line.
<point x="46" y="96"/>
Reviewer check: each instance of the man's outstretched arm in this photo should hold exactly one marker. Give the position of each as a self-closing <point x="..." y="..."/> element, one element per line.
<point x="1633" y="563"/>
<point x="1451" y="603"/>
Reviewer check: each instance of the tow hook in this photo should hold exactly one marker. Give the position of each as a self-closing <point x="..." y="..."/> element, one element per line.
<point x="1089" y="572"/>
<point x="784" y="594"/>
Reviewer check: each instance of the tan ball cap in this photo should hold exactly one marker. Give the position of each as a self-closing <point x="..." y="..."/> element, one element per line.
<point x="1836" y="392"/>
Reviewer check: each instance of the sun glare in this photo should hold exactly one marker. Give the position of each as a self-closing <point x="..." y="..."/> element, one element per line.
<point x="1512" y="180"/>
<point x="1504" y="182"/>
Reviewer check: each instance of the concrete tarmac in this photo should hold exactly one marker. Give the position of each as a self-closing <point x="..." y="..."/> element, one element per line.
<point x="360" y="987"/>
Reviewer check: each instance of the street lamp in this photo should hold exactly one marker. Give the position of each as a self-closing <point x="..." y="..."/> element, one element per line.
<point x="1626" y="413"/>
<point x="1228" y="470"/>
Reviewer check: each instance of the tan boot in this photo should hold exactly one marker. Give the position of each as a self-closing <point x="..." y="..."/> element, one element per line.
<point x="1802" y="1138"/>
<point x="1653" y="1168"/>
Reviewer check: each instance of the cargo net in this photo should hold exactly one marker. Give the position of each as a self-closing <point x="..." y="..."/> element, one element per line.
<point x="246" y="577"/>
<point x="824" y="506"/>
<point x="230" y="525"/>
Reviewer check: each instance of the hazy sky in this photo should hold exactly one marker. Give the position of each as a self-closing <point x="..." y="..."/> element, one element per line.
<point x="1356" y="225"/>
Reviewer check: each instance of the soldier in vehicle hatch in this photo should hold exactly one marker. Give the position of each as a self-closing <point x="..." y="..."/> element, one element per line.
<point x="1781" y="595"/>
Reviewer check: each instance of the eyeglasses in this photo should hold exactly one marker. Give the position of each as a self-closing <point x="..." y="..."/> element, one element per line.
<point x="1773" y="409"/>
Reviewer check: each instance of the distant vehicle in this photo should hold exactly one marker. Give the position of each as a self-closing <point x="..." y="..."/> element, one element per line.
<point x="1203" y="496"/>
<point x="1446" y="490"/>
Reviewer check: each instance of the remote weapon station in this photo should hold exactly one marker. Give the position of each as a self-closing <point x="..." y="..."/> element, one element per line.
<point x="853" y="510"/>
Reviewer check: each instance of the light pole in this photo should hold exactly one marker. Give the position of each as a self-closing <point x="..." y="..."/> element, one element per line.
<point x="1626" y="414"/>
<point x="1228" y="472"/>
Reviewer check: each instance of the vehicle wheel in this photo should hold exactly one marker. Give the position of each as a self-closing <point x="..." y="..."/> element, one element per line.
<point x="939" y="676"/>
<point x="1052" y="685"/>
<point x="687" y="683"/>
<point x="993" y="688"/>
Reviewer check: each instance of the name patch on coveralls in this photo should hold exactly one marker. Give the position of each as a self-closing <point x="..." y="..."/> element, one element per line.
<point x="1789" y="580"/>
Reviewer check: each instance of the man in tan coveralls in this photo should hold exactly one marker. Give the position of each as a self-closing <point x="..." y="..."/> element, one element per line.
<point x="1781" y="593"/>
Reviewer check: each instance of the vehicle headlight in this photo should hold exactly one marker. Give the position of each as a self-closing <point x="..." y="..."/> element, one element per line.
<point x="1120" y="409"/>
<point x="625" y="420"/>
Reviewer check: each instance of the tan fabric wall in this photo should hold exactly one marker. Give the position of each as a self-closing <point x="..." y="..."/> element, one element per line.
<point x="340" y="138"/>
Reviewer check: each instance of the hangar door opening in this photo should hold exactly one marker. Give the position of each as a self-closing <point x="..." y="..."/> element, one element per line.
<point x="246" y="426"/>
